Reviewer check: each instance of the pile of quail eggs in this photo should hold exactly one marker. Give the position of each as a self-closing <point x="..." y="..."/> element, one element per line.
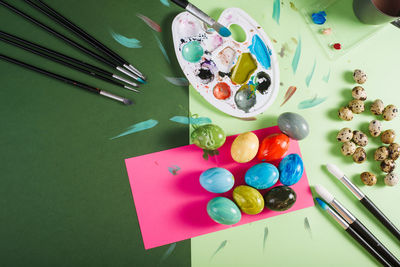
<point x="353" y="142"/>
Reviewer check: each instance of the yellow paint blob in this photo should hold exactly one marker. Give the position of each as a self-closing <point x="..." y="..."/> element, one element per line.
<point x="243" y="69"/>
<point x="245" y="147"/>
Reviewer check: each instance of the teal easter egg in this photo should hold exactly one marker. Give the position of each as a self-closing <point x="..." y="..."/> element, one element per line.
<point x="262" y="176"/>
<point x="217" y="180"/>
<point x="192" y="51"/>
<point x="293" y="125"/>
<point x="223" y="210"/>
<point x="209" y="137"/>
<point x="291" y="169"/>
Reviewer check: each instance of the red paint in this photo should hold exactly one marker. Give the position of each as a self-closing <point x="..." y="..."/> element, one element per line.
<point x="273" y="147"/>
<point x="337" y="46"/>
<point x="222" y="91"/>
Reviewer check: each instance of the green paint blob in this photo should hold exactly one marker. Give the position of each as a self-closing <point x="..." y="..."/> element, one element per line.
<point x="243" y="69"/>
<point x="192" y="51"/>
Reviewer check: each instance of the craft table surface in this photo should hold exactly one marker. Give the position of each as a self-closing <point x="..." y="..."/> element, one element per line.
<point x="65" y="195"/>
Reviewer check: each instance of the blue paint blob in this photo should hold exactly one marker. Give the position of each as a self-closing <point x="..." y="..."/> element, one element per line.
<point x="319" y="17"/>
<point x="309" y="103"/>
<point x="125" y="41"/>
<point x="276" y="13"/>
<point x="217" y="180"/>
<point x="309" y="76"/>
<point x="225" y="32"/>
<point x="174" y="169"/>
<point x="141" y="80"/>
<point x="262" y="176"/>
<point x="291" y="169"/>
<point x="261" y="51"/>
<point x="296" y="57"/>
<point x="223" y="210"/>
<point x="193" y="121"/>
<point x="141" y="126"/>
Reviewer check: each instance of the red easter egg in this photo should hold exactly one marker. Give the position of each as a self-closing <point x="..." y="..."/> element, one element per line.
<point x="273" y="147"/>
<point x="222" y="91"/>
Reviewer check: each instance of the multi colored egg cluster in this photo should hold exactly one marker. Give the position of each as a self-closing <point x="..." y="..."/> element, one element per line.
<point x="263" y="175"/>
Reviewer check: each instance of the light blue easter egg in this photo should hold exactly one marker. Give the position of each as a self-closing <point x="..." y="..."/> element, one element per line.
<point x="223" y="211"/>
<point x="262" y="176"/>
<point x="291" y="169"/>
<point x="217" y="180"/>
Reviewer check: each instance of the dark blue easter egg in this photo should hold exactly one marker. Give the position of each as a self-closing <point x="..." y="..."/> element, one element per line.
<point x="262" y="176"/>
<point x="291" y="169"/>
<point x="217" y="180"/>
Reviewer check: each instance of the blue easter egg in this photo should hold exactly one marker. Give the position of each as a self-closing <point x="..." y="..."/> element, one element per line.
<point x="262" y="176"/>
<point x="223" y="211"/>
<point x="291" y="169"/>
<point x="217" y="180"/>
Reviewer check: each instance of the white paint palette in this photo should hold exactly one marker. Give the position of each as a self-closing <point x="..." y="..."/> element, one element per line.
<point x="238" y="78"/>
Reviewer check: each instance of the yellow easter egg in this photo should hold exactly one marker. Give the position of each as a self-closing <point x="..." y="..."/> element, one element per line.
<point x="245" y="147"/>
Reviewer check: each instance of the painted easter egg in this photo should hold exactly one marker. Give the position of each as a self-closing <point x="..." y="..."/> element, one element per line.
<point x="245" y="98"/>
<point x="273" y="147"/>
<point x="244" y="148"/>
<point x="222" y="91"/>
<point x="293" y="125"/>
<point x="280" y="198"/>
<point x="192" y="51"/>
<point x="291" y="169"/>
<point x="262" y="176"/>
<point x="217" y="180"/>
<point x="223" y="210"/>
<point x="209" y="137"/>
<point x="249" y="200"/>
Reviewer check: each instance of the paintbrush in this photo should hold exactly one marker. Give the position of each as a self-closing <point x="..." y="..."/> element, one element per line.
<point x="220" y="29"/>
<point x="352" y="232"/>
<point x="66" y="58"/>
<point x="70" y="41"/>
<point x="364" y="200"/>
<point x="357" y="225"/>
<point x="68" y="80"/>
<point x="65" y="63"/>
<point x="53" y="14"/>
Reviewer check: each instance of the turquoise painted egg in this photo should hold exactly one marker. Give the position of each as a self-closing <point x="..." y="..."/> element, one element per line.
<point x="217" y="180"/>
<point x="291" y="169"/>
<point x="223" y="210"/>
<point x="293" y="125"/>
<point x="262" y="176"/>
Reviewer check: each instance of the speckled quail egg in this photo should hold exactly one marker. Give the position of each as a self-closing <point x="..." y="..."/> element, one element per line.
<point x="391" y="179"/>
<point x="360" y="138"/>
<point x="359" y="93"/>
<point x="345" y="114"/>
<point x="381" y="153"/>
<point x="388" y="136"/>
<point x="388" y="165"/>
<point x="359" y="155"/>
<point x="348" y="148"/>
<point x="368" y="178"/>
<point x="377" y="107"/>
<point x="356" y="106"/>
<point x="345" y="135"/>
<point x="394" y="151"/>
<point x="375" y="128"/>
<point x="390" y="112"/>
<point x="359" y="76"/>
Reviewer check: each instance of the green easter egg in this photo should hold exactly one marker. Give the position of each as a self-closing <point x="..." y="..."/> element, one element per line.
<point x="209" y="137"/>
<point x="249" y="200"/>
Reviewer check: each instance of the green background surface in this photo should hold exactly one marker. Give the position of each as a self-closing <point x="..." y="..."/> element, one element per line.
<point x="64" y="193"/>
<point x="288" y="243"/>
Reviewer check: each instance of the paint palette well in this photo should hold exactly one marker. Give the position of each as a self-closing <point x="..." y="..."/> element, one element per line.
<point x="238" y="78"/>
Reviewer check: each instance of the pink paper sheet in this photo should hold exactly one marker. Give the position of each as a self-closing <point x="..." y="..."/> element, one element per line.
<point x="172" y="207"/>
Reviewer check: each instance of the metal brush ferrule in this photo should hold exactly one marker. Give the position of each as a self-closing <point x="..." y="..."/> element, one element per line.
<point x="342" y="211"/>
<point x="356" y="191"/>
<point x="200" y="14"/>
<point x="339" y="219"/>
